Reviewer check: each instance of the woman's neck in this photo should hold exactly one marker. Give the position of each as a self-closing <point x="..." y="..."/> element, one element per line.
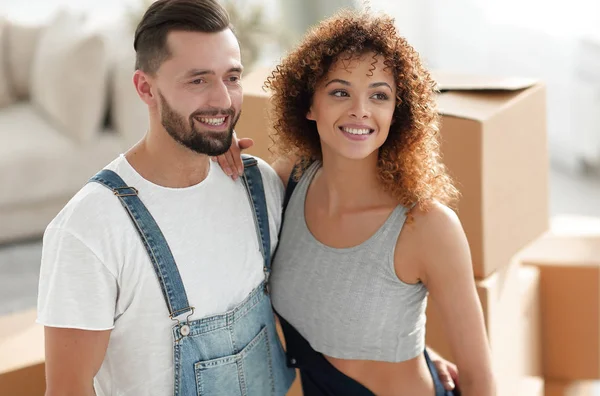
<point x="350" y="184"/>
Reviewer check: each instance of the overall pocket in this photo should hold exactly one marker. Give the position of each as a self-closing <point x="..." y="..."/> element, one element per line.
<point x="247" y="373"/>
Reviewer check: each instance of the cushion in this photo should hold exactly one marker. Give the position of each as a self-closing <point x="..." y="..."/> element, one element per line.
<point x="39" y="163"/>
<point x="129" y="114"/>
<point x="68" y="78"/>
<point x="7" y="96"/>
<point x="21" y="44"/>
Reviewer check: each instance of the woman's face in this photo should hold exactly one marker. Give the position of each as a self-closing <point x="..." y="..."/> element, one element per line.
<point x="353" y="106"/>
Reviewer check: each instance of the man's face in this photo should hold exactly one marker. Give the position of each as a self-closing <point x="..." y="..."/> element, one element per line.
<point x="199" y="91"/>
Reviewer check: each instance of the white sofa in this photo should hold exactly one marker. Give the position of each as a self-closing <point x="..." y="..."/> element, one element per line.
<point x="67" y="108"/>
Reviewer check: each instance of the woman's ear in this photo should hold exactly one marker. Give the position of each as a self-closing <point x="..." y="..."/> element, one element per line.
<point x="309" y="115"/>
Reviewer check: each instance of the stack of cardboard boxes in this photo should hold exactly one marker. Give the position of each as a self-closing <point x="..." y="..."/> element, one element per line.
<point x="541" y="314"/>
<point x="538" y="284"/>
<point x="568" y="260"/>
<point x="494" y="144"/>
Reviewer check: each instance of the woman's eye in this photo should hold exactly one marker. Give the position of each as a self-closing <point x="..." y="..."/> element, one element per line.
<point x="339" y="94"/>
<point x="380" y="96"/>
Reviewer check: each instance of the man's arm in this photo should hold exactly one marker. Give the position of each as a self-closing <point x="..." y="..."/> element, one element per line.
<point x="77" y="297"/>
<point x="73" y="357"/>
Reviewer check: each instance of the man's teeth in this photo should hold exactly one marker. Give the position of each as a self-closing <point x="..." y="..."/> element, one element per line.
<point x="355" y="131"/>
<point x="212" y="121"/>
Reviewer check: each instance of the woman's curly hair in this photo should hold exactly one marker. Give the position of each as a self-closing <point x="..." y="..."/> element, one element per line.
<point x="409" y="161"/>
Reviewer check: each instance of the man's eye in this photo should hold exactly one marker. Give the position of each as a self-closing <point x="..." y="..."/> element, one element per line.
<point x="198" y="81"/>
<point x="234" y="79"/>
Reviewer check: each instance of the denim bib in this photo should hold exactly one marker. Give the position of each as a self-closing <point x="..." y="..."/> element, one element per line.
<point x="236" y="353"/>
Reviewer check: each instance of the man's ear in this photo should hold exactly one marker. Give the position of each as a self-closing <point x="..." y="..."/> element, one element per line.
<point x="143" y="86"/>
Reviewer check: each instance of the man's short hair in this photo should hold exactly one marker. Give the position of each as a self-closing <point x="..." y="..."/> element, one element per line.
<point x="165" y="16"/>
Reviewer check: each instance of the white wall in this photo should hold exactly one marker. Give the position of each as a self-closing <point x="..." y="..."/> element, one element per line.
<point x="298" y="16"/>
<point x="41" y="10"/>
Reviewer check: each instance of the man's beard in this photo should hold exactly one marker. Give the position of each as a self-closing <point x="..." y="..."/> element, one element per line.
<point x="185" y="133"/>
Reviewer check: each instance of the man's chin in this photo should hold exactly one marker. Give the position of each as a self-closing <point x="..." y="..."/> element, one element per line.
<point x="216" y="153"/>
<point x="212" y="149"/>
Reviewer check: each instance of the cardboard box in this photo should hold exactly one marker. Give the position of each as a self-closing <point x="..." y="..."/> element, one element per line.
<point x="22" y="355"/>
<point x="532" y="386"/>
<point x="254" y="120"/>
<point x="585" y="388"/>
<point x="501" y="303"/>
<point x="494" y="144"/>
<point x="568" y="257"/>
<point x="530" y="321"/>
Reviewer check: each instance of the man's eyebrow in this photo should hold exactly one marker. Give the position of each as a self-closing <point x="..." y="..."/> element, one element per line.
<point x="203" y="72"/>
<point x="198" y="72"/>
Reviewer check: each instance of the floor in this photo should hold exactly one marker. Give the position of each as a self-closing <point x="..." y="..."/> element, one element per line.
<point x="19" y="269"/>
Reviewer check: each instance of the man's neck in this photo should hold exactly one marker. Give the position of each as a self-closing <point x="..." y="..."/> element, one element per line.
<point x="161" y="160"/>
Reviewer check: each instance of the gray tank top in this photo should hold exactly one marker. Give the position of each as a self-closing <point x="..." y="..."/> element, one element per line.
<point x="348" y="303"/>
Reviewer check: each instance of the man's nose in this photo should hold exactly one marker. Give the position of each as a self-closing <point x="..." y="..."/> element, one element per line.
<point x="219" y="96"/>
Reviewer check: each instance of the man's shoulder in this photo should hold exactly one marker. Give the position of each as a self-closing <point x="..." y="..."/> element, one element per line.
<point x="91" y="206"/>
<point x="92" y="201"/>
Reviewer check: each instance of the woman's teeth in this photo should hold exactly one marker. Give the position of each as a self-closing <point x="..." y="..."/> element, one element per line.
<point x="212" y="121"/>
<point x="354" y="131"/>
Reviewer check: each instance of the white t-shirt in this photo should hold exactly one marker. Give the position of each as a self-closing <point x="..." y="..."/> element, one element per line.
<point x="96" y="274"/>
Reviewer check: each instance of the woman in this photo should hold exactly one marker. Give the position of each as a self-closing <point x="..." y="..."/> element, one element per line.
<point x="368" y="232"/>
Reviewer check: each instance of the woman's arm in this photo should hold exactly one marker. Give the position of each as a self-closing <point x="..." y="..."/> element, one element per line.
<point x="444" y="266"/>
<point x="231" y="161"/>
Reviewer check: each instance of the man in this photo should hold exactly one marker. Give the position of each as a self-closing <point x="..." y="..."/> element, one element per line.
<point x="153" y="276"/>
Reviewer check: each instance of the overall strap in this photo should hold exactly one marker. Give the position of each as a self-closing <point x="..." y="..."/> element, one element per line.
<point x="153" y="240"/>
<point x="252" y="180"/>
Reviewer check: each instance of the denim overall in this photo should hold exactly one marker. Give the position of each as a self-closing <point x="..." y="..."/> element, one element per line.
<point x="237" y="353"/>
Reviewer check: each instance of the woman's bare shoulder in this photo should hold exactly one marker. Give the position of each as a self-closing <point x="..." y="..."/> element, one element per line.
<point x="431" y="232"/>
